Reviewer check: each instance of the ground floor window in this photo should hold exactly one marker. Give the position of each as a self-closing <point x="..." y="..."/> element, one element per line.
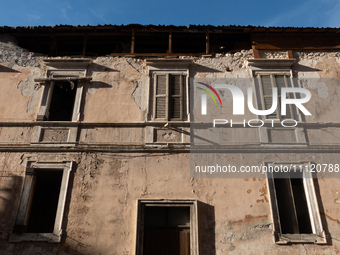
<point x="42" y="202"/>
<point x="167" y="227"/>
<point x="294" y="205"/>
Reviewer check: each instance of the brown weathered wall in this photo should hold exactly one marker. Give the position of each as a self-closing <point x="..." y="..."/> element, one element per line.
<point x="118" y="91"/>
<point x="100" y="216"/>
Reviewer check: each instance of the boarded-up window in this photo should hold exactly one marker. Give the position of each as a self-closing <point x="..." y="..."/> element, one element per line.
<point x="169" y="96"/>
<point x="267" y="83"/>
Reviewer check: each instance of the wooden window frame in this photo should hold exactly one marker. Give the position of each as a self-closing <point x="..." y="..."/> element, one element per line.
<point x="71" y="70"/>
<point x="74" y="70"/>
<point x="19" y="234"/>
<point x="183" y="79"/>
<point x="272" y="76"/>
<point x="159" y="66"/>
<point x="43" y="114"/>
<point x="141" y="203"/>
<point x="318" y="236"/>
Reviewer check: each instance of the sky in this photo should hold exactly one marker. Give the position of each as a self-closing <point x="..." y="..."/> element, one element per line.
<point x="303" y="13"/>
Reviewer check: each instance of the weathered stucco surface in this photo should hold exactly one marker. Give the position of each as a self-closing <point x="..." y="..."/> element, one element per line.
<point x="100" y="216"/>
<point x="118" y="91"/>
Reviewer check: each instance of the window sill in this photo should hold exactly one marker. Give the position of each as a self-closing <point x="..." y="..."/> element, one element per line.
<point x="302" y="238"/>
<point x="38" y="237"/>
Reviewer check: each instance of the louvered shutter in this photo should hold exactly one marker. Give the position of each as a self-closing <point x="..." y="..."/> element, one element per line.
<point x="175" y="97"/>
<point x="267" y="84"/>
<point x="267" y="92"/>
<point x="161" y="94"/>
<point x="281" y="81"/>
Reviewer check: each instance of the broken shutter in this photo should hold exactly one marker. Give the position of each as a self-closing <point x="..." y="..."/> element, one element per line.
<point x="25" y="201"/>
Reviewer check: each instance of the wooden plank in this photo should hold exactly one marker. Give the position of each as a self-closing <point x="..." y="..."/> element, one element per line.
<point x="256" y="53"/>
<point x="159" y="54"/>
<point x="84" y="46"/>
<point x="133" y="41"/>
<point x="25" y="200"/>
<point x="54" y="46"/>
<point x="290" y="54"/>
<point x="207" y="41"/>
<point x="170" y="41"/>
<point x="273" y="47"/>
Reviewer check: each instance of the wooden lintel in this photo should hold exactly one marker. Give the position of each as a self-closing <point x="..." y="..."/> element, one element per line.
<point x="160" y="54"/>
<point x="273" y="47"/>
<point x="133" y="41"/>
<point x="85" y="78"/>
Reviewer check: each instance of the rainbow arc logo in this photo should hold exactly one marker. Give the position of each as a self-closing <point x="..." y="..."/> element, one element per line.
<point x="209" y="93"/>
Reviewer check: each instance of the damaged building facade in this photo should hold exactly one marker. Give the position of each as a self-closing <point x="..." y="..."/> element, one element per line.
<point x="95" y="141"/>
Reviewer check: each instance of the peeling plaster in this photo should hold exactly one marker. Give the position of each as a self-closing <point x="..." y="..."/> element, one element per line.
<point x="315" y="84"/>
<point x="140" y="94"/>
<point x="30" y="89"/>
<point x="10" y="51"/>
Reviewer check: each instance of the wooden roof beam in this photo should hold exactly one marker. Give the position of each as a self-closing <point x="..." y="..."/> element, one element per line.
<point x="84" y="46"/>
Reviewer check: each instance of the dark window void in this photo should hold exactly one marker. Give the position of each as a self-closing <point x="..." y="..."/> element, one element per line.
<point x="63" y="97"/>
<point x="166" y="230"/>
<point x="45" y="201"/>
<point x="292" y="206"/>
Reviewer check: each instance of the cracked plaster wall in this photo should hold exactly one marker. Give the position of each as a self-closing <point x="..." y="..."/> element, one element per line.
<point x="101" y="210"/>
<point x="119" y="89"/>
<point x="100" y="213"/>
<point x="20" y="97"/>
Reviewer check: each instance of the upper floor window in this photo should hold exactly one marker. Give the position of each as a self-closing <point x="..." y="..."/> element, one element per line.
<point x="266" y="84"/>
<point x="168" y="96"/>
<point x="62" y="101"/>
<point x="169" y="90"/>
<point x="269" y="74"/>
<point x="63" y="89"/>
